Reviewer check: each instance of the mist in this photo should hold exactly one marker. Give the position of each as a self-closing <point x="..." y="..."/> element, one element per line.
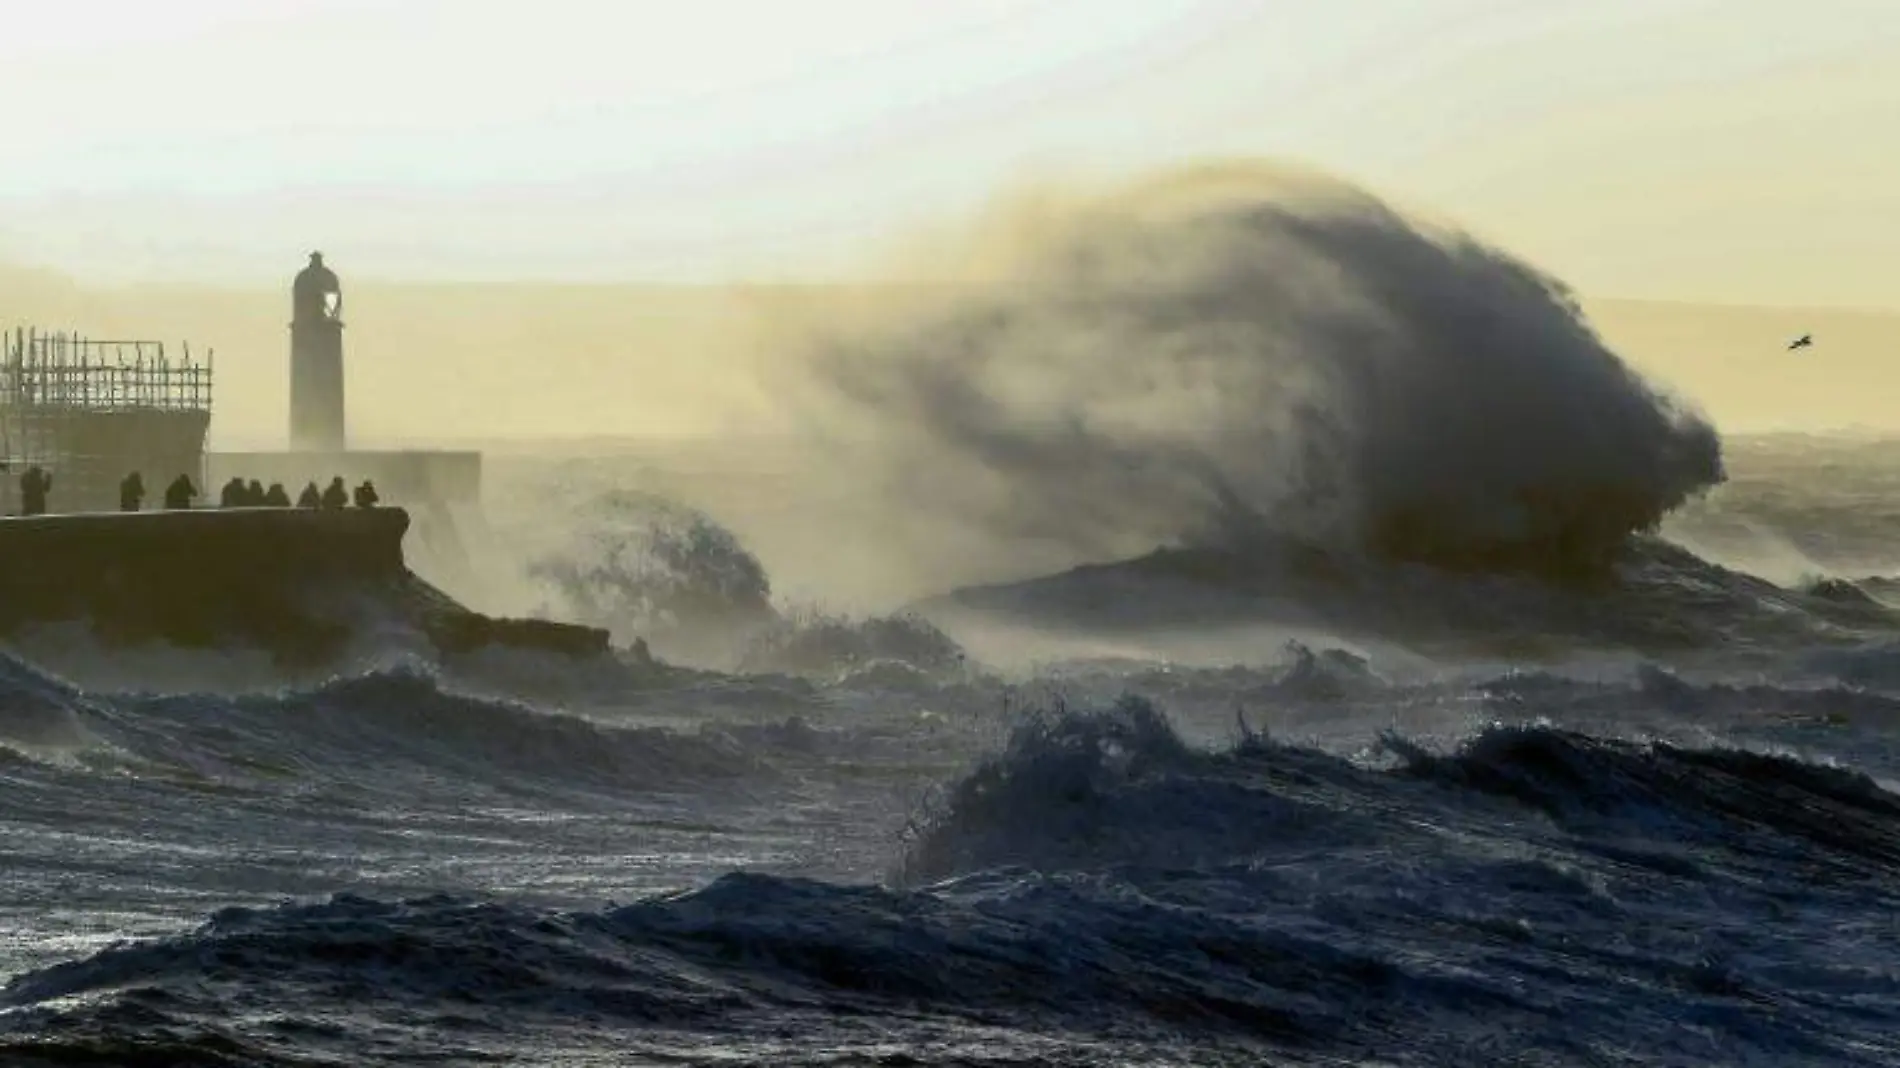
<point x="431" y="361"/>
<point x="1218" y="353"/>
<point x="1233" y="352"/>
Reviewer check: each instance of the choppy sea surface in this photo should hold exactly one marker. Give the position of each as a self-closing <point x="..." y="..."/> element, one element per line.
<point x="1306" y="854"/>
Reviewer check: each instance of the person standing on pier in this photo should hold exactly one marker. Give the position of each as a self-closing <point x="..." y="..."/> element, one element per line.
<point x="34" y="486"/>
<point x="131" y="493"/>
<point x="178" y="495"/>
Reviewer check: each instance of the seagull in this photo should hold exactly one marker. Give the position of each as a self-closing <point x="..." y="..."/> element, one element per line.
<point x="1801" y="342"/>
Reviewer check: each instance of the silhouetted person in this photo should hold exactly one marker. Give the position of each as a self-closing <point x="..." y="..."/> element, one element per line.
<point x="336" y="496"/>
<point x="310" y="498"/>
<point x="232" y="495"/>
<point x="275" y="497"/>
<point x="179" y="494"/>
<point x="34" y="486"/>
<point x="131" y="493"/>
<point x="366" y="494"/>
<point x="254" y="494"/>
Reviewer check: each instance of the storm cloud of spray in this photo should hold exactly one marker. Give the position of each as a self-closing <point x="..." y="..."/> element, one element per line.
<point x="1243" y="350"/>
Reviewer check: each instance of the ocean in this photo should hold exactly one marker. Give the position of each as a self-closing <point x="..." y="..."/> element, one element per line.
<point x="1235" y="624"/>
<point x="878" y="847"/>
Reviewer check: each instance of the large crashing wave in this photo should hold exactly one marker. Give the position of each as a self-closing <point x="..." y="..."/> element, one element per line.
<point x="1238" y="351"/>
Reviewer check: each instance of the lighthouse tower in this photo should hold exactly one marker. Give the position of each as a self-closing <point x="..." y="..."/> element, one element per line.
<point x="441" y="489"/>
<point x="316" y="360"/>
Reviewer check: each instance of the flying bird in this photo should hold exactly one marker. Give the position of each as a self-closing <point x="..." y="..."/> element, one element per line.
<point x="1801" y="342"/>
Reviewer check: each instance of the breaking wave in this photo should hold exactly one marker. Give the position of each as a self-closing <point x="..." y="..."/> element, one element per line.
<point x="824" y="644"/>
<point x="651" y="568"/>
<point x="1528" y="890"/>
<point x="670" y="576"/>
<point x="374" y="732"/>
<point x="1231" y="350"/>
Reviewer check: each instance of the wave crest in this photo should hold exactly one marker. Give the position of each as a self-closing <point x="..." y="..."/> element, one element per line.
<point x="1237" y="349"/>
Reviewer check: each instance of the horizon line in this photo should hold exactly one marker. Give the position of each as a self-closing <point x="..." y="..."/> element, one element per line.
<point x="762" y="283"/>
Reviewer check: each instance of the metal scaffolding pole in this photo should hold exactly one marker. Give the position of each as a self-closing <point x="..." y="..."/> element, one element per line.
<point x="90" y="410"/>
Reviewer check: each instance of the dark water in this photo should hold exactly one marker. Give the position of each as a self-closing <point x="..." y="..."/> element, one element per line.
<point x="1300" y="858"/>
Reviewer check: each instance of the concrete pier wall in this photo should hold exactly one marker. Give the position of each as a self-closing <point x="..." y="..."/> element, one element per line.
<point x="299" y="583"/>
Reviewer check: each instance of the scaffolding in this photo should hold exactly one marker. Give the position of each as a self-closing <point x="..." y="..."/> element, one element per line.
<point x="91" y="411"/>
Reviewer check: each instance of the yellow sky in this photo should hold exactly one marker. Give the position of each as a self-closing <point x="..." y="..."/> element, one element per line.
<point x="1745" y="150"/>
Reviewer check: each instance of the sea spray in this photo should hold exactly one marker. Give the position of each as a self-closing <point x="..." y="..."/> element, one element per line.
<point x="1233" y="350"/>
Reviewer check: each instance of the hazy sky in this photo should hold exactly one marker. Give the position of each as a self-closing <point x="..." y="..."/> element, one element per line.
<point x="1746" y="150"/>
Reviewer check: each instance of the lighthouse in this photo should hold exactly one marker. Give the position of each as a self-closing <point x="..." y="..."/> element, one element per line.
<point x="440" y="488"/>
<point x="316" y="360"/>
